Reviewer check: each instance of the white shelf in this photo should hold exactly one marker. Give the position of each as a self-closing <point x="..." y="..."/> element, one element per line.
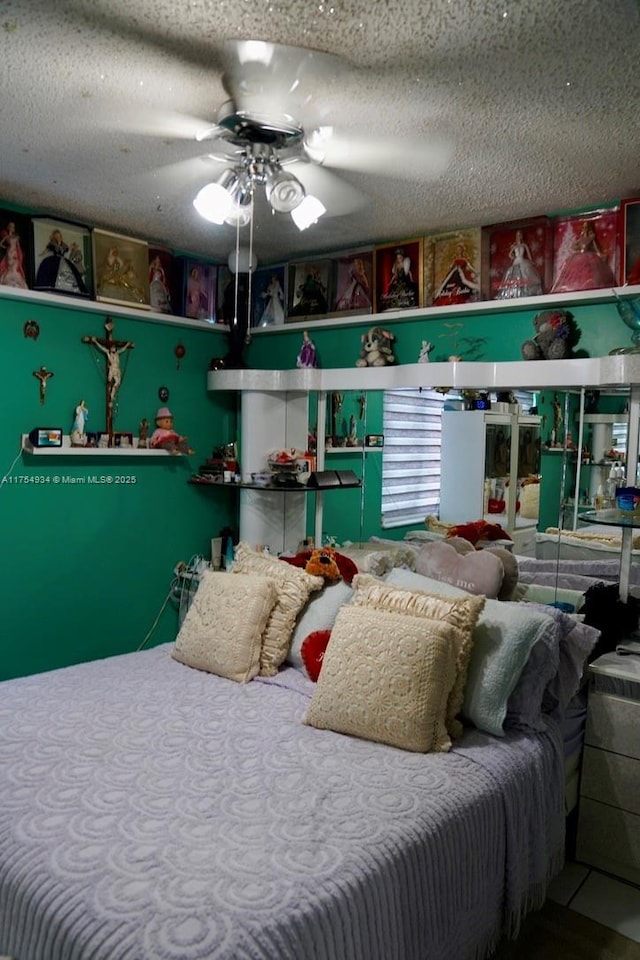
<point x="330" y="450"/>
<point x="594" y="372"/>
<point x="66" y="450"/>
<point x="545" y="302"/>
<point x="67" y="302"/>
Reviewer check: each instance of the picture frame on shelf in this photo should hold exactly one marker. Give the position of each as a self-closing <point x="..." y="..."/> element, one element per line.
<point x="309" y="289"/>
<point x="161" y="279"/>
<point x="269" y="296"/>
<point x="630" y="241"/>
<point x="585" y="251"/>
<point x="353" y="282"/>
<point x="62" y="257"/>
<point x="517" y="259"/>
<point x="16" y="250"/>
<point x="195" y="284"/>
<point x="121" y="266"/>
<point x="398" y="275"/>
<point x="457" y="267"/>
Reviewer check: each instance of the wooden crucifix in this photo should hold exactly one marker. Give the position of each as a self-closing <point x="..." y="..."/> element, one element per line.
<point x="112" y="350"/>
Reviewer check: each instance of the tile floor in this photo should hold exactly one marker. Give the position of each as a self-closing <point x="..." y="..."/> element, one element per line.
<point x="611" y="902"/>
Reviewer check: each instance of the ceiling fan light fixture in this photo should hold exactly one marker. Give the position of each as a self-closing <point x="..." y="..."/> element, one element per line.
<point x="283" y="191"/>
<point x="308" y="212"/>
<point x="316" y="143"/>
<point x="214" y="201"/>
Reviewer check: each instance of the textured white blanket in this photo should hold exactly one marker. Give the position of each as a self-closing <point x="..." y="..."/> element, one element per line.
<point x="149" y="811"/>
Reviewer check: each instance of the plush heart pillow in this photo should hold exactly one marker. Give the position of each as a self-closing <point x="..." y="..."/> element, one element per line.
<point x="312" y="652"/>
<point x="506" y="557"/>
<point x="479" y="571"/>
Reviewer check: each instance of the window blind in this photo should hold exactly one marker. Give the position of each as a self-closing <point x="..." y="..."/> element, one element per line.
<point x="411" y="455"/>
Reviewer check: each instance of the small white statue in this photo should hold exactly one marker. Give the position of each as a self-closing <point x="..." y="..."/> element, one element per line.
<point x="78" y="436"/>
<point x="425" y="350"/>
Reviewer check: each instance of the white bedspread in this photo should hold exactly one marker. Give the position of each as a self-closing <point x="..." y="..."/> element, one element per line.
<point x="152" y="812"/>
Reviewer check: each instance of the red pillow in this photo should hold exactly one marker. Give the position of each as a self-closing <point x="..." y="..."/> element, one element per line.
<point x="312" y="652"/>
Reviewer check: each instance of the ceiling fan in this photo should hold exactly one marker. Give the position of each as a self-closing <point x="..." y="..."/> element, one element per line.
<point x="275" y="132"/>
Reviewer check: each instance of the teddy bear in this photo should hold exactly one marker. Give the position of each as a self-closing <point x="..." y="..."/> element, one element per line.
<point x="556" y="334"/>
<point x="377" y="348"/>
<point x="324" y="562"/>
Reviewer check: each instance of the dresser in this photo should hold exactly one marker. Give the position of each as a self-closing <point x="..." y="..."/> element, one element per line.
<point x="609" y="811"/>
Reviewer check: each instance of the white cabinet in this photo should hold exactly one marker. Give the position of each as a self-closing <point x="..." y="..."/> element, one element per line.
<point x="609" y="811"/>
<point x="485" y="457"/>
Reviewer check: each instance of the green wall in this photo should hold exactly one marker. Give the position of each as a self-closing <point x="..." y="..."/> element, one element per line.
<point x="85" y="568"/>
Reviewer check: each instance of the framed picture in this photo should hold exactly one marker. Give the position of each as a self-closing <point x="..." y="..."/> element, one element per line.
<point x="309" y="289"/>
<point x="122" y="269"/>
<point x="517" y="259"/>
<point x="353" y="282"/>
<point x="585" y="251"/>
<point x="16" y="250"/>
<point x="194" y="286"/>
<point x="62" y="261"/>
<point x="456" y="267"/>
<point x="630" y="241"/>
<point x="269" y="296"/>
<point x="161" y="279"/>
<point x="398" y="276"/>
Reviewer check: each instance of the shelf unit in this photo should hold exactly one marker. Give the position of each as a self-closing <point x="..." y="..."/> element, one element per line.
<point x="274" y="411"/>
<point x="66" y="450"/>
<point x="66" y="302"/>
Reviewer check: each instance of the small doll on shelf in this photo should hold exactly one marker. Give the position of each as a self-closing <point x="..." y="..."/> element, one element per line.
<point x="307" y="356"/>
<point x="164" y="437"/>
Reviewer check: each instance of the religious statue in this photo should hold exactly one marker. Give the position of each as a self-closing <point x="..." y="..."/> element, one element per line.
<point x="78" y="436"/>
<point x="112" y="350"/>
<point x="43" y="375"/>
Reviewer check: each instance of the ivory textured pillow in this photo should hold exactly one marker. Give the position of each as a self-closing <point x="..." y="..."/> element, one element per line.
<point x="459" y="613"/>
<point x="293" y="589"/>
<point x="222" y="631"/>
<point x="386" y="677"/>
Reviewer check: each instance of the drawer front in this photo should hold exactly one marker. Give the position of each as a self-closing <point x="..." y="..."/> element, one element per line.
<point x="611" y="778"/>
<point x="613" y="723"/>
<point x="609" y="839"/>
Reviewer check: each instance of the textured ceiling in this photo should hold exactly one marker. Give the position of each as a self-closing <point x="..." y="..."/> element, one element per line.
<point x="100" y="100"/>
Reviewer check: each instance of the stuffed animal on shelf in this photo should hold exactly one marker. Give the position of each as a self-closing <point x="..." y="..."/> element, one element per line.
<point x="556" y="335"/>
<point x="377" y="348"/>
<point x="324" y="562"/>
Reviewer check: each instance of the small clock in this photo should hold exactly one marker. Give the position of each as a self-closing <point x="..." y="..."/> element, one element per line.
<point x="163" y="394"/>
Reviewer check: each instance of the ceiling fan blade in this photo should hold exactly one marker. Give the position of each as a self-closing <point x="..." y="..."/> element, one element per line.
<point x="338" y="196"/>
<point x="407" y="159"/>
<point x="274" y="81"/>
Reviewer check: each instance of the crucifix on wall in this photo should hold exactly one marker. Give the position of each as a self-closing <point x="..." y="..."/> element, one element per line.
<point x="112" y="349"/>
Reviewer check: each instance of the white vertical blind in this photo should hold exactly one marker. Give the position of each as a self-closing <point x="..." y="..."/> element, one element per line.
<point x="411" y="455"/>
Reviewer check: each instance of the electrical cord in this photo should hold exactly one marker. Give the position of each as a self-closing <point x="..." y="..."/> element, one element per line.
<point x="13" y="463"/>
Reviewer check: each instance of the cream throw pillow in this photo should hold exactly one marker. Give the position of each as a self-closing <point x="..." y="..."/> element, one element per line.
<point x="222" y="631"/>
<point x="386" y="677"/>
<point x="461" y="614"/>
<point x="293" y="589"/>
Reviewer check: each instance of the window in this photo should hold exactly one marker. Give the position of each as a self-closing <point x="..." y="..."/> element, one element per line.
<point x="411" y="454"/>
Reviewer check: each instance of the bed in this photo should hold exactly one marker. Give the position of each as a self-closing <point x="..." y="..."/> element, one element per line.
<point x="150" y="809"/>
<point x="589" y="542"/>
